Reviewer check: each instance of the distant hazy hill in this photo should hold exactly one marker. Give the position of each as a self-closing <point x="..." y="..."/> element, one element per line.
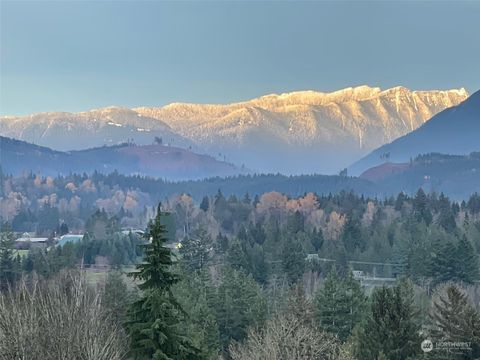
<point x="456" y="175"/>
<point x="381" y="172"/>
<point x="453" y="131"/>
<point x="298" y="132"/>
<point x="150" y="160"/>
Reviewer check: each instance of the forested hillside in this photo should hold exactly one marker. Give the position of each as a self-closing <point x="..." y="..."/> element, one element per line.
<point x="314" y="264"/>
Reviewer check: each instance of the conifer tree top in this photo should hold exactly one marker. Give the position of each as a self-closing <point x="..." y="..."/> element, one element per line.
<point x="155" y="270"/>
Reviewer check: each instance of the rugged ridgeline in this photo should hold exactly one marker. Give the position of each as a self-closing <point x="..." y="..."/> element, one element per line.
<point x="453" y="131"/>
<point x="166" y="162"/>
<point x="299" y="132"/>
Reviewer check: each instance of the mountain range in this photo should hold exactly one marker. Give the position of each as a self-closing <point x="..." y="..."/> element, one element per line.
<point x="442" y="155"/>
<point x="292" y="133"/>
<point x="455" y="130"/>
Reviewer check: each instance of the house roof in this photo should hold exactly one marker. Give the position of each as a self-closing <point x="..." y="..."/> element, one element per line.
<point x="32" y="239"/>
<point x="69" y="238"/>
<point x="127" y="231"/>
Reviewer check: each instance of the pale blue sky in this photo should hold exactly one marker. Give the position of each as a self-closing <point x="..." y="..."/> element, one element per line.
<point x="74" y="56"/>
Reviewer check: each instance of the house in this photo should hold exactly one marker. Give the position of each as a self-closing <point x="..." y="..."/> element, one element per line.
<point x="127" y="231"/>
<point x="174" y="246"/>
<point x="27" y="241"/>
<point x="312" y="257"/>
<point x="358" y="274"/>
<point x="69" y="238"/>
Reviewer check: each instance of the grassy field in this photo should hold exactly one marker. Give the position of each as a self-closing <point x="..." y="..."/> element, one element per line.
<point x="98" y="276"/>
<point x="22" y="253"/>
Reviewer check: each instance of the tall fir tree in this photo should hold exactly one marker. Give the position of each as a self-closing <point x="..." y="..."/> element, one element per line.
<point x="446" y="216"/>
<point x="442" y="266"/>
<point x="401" y="198"/>
<point x="240" y="304"/>
<point x="154" y="319"/>
<point x="352" y="236"/>
<point x="455" y="262"/>
<point x="473" y="204"/>
<point x="293" y="259"/>
<point x="205" y="204"/>
<point x="258" y="263"/>
<point x="466" y="259"/>
<point x="196" y="294"/>
<point x="400" y="258"/>
<point x="340" y="305"/>
<point x="237" y="256"/>
<point x="454" y="319"/>
<point x="317" y="239"/>
<point x="390" y="329"/>
<point x="296" y="222"/>
<point x="421" y="208"/>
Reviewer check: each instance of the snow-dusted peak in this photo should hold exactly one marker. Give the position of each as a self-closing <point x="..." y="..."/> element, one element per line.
<point x="108" y="109"/>
<point x="276" y="102"/>
<point x="462" y="91"/>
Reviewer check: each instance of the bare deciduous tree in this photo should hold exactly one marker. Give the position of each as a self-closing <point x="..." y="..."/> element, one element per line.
<point x="59" y="319"/>
<point x="288" y="337"/>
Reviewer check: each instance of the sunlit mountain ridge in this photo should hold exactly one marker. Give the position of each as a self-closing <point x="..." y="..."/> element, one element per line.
<point x="297" y="132"/>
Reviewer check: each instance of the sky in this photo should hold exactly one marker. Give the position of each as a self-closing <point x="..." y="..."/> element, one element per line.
<point x="75" y="56"/>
